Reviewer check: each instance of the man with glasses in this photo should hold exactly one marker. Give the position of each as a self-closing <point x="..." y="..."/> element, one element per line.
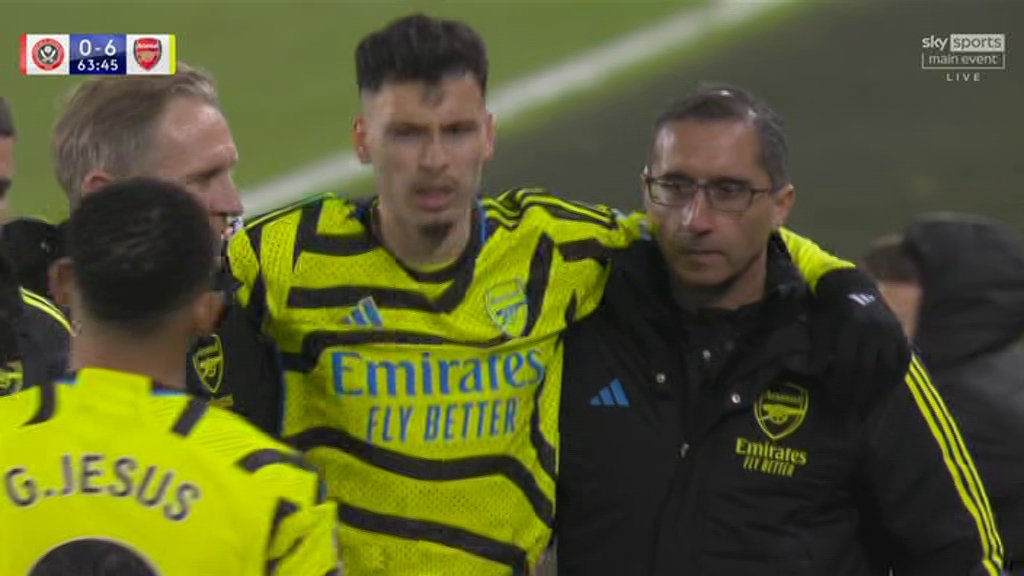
<point x="702" y="434"/>
<point x="421" y="330"/>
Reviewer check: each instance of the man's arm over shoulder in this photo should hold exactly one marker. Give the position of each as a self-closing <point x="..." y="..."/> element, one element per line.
<point x="586" y="236"/>
<point x="853" y="330"/>
<point x="592" y="226"/>
<point x="925" y="486"/>
<point x="812" y="260"/>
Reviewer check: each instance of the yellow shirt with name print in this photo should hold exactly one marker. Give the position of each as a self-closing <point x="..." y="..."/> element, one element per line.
<point x="108" y="469"/>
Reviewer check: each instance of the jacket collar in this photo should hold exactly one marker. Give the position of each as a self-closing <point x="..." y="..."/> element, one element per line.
<point x="640" y="282"/>
<point x="773" y="329"/>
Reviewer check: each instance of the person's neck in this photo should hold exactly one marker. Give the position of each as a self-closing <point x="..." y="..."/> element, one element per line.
<point x="423" y="248"/>
<point x="161" y="359"/>
<point x="745" y="288"/>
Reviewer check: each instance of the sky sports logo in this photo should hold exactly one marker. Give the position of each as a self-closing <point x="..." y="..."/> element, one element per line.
<point x="966" y="52"/>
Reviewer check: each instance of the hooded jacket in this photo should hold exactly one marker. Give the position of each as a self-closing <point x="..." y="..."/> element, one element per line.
<point x="970" y="326"/>
<point x="33" y="334"/>
<point x="713" y="444"/>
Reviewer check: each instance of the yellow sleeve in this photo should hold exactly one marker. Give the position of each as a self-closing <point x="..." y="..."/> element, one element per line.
<point x="586" y="235"/>
<point x="304" y="533"/>
<point x="629" y="228"/>
<point x="811" y="259"/>
<point x="306" y="542"/>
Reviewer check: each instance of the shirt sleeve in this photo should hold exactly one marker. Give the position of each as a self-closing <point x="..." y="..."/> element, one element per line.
<point x="924" y="485"/>
<point x="618" y="232"/>
<point x="304" y="527"/>
<point x="813" y="261"/>
<point x="305" y="542"/>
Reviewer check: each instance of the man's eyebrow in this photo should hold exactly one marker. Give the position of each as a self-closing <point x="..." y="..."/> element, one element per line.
<point x="403" y="124"/>
<point x="674" y="175"/>
<point x="206" y="174"/>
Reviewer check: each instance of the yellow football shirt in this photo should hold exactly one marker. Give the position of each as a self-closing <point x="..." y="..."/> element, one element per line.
<point x="430" y="398"/>
<point x="108" y="467"/>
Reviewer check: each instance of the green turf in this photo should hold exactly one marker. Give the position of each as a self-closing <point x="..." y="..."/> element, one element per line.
<point x="285" y="69"/>
<point x="598" y="96"/>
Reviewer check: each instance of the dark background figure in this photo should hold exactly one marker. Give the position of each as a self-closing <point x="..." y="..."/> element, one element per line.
<point x="33" y="333"/>
<point x="957" y="281"/>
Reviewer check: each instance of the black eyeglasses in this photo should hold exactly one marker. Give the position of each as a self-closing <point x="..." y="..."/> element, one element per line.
<point x="727" y="196"/>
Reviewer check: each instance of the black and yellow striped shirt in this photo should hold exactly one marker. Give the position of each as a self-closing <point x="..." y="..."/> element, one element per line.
<point x="430" y="399"/>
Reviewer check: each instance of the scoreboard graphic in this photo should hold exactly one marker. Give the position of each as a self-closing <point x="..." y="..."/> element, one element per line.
<point x="98" y="54"/>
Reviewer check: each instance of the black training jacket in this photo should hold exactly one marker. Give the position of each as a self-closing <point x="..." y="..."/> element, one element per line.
<point x="970" y="326"/>
<point x="34" y="349"/>
<point x="708" y="445"/>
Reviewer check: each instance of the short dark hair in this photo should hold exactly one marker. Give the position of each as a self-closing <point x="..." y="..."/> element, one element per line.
<point x="888" y="260"/>
<point x="419" y="48"/>
<point x="721" y="102"/>
<point x="91" y="557"/>
<point x="140" y="248"/>
<point x="6" y="120"/>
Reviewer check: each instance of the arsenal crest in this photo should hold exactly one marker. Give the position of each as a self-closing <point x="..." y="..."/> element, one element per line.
<point x="781" y="410"/>
<point x="208" y="362"/>
<point x="507" y="306"/>
<point x="147" y="52"/>
<point x="11" y="378"/>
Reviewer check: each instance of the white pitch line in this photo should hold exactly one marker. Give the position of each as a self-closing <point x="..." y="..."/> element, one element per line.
<point x="526" y="94"/>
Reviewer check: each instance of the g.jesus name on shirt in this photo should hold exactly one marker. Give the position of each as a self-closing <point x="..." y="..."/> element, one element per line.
<point x="98" y="475"/>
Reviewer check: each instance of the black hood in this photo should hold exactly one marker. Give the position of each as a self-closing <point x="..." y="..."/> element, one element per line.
<point x="972" y="277"/>
<point x="33" y="244"/>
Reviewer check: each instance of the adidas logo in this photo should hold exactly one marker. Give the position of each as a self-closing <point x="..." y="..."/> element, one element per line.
<point x="861" y="298"/>
<point x="611" y="395"/>
<point x="364" y="314"/>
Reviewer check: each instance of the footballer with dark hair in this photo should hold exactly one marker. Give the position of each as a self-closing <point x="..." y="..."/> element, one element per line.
<point x="117" y="466"/>
<point x="420" y="330"/>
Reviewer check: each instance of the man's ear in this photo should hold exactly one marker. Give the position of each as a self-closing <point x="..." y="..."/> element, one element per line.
<point x="782" y="204"/>
<point x="207" y="311"/>
<point x="95" y="180"/>
<point x="490" y="133"/>
<point x="359" y="140"/>
<point x="61" y="276"/>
